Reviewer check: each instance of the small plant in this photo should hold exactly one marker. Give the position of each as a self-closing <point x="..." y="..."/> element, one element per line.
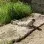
<point x="20" y="10"/>
<point x="5" y="13"/>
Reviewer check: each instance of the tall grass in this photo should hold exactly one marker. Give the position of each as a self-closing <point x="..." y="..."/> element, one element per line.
<point x="5" y="13"/>
<point x="20" y="10"/>
<point x="9" y="11"/>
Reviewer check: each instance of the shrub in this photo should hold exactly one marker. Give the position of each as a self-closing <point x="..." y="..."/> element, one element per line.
<point x="9" y="11"/>
<point x="5" y="13"/>
<point x="20" y="10"/>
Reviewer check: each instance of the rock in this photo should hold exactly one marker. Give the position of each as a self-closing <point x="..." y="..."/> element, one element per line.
<point x="23" y="22"/>
<point x="39" y="21"/>
<point x="38" y="5"/>
<point x="36" y="15"/>
<point x="14" y="22"/>
<point x="5" y="41"/>
<point x="13" y="31"/>
<point x="28" y="22"/>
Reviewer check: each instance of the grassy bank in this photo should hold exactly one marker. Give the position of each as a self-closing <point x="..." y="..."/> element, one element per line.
<point x="21" y="10"/>
<point x="9" y="11"/>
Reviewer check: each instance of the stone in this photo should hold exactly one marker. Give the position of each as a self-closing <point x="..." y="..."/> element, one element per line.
<point x="36" y="15"/>
<point x="14" y="22"/>
<point x="38" y="5"/>
<point x="18" y="32"/>
<point x="39" y="21"/>
<point x="13" y="32"/>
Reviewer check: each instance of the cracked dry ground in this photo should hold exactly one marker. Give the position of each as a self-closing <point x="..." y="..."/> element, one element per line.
<point x="10" y="32"/>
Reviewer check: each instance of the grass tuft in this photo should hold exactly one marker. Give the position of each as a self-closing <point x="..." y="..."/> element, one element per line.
<point x="9" y="11"/>
<point x="5" y="13"/>
<point x="20" y="10"/>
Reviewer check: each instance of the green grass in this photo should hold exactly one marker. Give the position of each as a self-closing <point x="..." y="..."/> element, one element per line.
<point x="5" y="13"/>
<point x="9" y="11"/>
<point x="5" y="1"/>
<point x="20" y="10"/>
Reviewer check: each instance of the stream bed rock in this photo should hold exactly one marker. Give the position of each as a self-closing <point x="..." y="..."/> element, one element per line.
<point x="9" y="32"/>
<point x="38" y="5"/>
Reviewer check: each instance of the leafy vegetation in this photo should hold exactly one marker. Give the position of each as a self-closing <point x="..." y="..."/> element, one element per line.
<point x="20" y="10"/>
<point x="5" y="41"/>
<point x="5" y="13"/>
<point x="9" y="11"/>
